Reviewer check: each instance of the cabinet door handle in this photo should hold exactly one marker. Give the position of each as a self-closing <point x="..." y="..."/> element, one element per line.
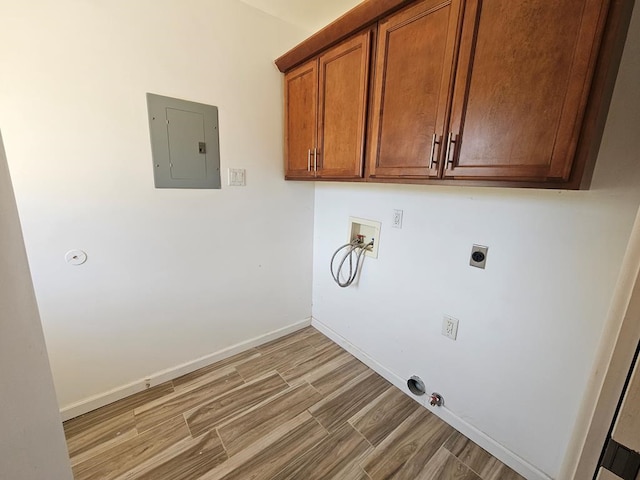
<point x="315" y="159"/>
<point x="450" y="155"/>
<point x="434" y="142"/>
<point x="309" y="160"/>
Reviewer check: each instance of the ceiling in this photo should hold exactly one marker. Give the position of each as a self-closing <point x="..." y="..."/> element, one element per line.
<point x="310" y="15"/>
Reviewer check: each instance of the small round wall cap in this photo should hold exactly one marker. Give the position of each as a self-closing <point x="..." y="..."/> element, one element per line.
<point x="75" y="257"/>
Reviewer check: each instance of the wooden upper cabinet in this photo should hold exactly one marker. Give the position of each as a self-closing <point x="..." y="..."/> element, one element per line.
<point x="326" y="106"/>
<point x="463" y="92"/>
<point x="342" y="111"/>
<point x="523" y="77"/>
<point x="413" y="77"/>
<point x="301" y="107"/>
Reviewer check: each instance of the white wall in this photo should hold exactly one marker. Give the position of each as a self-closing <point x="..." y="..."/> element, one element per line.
<point x="32" y="445"/>
<point x="172" y="275"/>
<point x="311" y="15"/>
<point x="529" y="323"/>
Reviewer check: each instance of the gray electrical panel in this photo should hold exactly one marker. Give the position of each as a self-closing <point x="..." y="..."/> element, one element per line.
<point x="184" y="143"/>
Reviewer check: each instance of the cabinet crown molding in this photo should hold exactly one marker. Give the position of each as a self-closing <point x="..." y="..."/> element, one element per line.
<point x="365" y="14"/>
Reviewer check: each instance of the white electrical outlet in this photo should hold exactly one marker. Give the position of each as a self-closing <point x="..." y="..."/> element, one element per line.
<point x="450" y="327"/>
<point x="397" y="219"/>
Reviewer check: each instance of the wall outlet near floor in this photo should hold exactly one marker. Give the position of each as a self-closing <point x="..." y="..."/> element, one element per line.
<point x="450" y="327"/>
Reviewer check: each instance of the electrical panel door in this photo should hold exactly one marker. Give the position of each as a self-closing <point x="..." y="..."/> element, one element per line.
<point x="184" y="143"/>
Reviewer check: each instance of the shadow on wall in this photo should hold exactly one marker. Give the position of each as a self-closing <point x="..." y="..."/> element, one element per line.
<point x="617" y="169"/>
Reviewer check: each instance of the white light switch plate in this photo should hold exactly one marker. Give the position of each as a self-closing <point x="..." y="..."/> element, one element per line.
<point x="237" y="177"/>
<point x="397" y="219"/>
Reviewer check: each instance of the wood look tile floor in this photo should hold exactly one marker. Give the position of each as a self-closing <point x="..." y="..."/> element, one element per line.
<point x="299" y="407"/>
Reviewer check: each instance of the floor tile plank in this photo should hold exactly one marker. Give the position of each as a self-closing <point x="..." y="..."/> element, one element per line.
<point x="286" y="341"/>
<point x="90" y="434"/>
<point x="394" y="453"/>
<point x="354" y="472"/>
<point x="478" y="459"/>
<point x="318" y="341"/>
<point x="197" y="376"/>
<point x="183" y="400"/>
<point x="249" y="427"/>
<point x="108" y="432"/>
<point x="344" y="403"/>
<point x="186" y="460"/>
<point x="340" y="451"/>
<point x="81" y="424"/>
<point x="127" y="455"/>
<point x="234" y="403"/>
<point x="293" y="375"/>
<point x="333" y="380"/>
<point x="313" y="363"/>
<point x="384" y="415"/>
<point x="431" y="442"/>
<point x="443" y="465"/>
<point x="279" y="359"/>
<point x="262" y="460"/>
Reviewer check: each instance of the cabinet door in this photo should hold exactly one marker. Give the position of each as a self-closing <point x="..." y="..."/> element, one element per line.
<point x="343" y="97"/>
<point x="523" y="76"/>
<point x="412" y="89"/>
<point x="301" y="107"/>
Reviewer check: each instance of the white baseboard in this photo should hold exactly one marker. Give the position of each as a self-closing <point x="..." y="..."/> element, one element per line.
<point x="118" y="393"/>
<point x="483" y="440"/>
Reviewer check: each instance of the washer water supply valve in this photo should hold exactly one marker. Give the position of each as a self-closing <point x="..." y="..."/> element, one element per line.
<point x="436" y="400"/>
<point x="416" y="386"/>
